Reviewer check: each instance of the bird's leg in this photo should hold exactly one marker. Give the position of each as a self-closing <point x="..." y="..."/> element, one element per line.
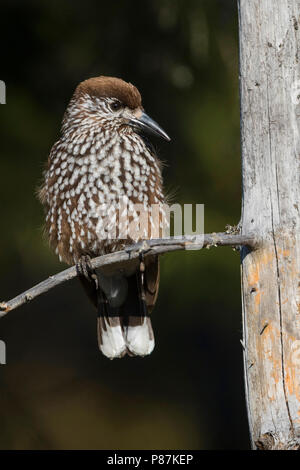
<point x="141" y="283"/>
<point x="84" y="270"/>
<point x="88" y="278"/>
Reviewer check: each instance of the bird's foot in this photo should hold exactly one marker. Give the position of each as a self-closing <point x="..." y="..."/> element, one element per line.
<point x="88" y="278"/>
<point x="141" y="275"/>
<point x="85" y="271"/>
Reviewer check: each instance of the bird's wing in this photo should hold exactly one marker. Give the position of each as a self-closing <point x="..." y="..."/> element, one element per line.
<point x="152" y="277"/>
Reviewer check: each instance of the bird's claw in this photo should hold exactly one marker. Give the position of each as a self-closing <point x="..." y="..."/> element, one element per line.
<point x="85" y="270"/>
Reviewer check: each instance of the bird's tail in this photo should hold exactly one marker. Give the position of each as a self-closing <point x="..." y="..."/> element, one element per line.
<point x="124" y="325"/>
<point x="115" y="338"/>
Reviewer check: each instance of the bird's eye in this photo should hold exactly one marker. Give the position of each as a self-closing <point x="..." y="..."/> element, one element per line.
<point x="116" y="105"/>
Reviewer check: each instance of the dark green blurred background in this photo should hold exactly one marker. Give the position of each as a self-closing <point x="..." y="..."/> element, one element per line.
<point x="57" y="391"/>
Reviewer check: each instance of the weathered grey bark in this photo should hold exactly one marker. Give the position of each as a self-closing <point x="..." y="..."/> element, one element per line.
<point x="270" y="126"/>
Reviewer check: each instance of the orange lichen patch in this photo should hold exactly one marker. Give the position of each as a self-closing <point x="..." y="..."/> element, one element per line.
<point x="270" y="360"/>
<point x="253" y="274"/>
<point x="286" y="253"/>
<point x="257" y="299"/>
<point x="292" y="368"/>
<point x="267" y="257"/>
<point x="288" y="263"/>
<point x="289" y="381"/>
<point x="276" y="370"/>
<point x="297" y="420"/>
<point x="253" y="282"/>
<point x="289" y="269"/>
<point x="261" y="260"/>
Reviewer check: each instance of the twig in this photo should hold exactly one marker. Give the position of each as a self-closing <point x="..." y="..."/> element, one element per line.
<point x="149" y="247"/>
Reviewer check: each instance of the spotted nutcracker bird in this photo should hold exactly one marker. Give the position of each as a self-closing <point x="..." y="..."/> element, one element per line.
<point x="102" y="157"/>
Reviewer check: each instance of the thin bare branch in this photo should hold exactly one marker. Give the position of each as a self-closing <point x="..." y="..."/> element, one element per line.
<point x="149" y="247"/>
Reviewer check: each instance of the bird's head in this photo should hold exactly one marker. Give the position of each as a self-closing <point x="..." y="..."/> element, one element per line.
<point x="112" y="104"/>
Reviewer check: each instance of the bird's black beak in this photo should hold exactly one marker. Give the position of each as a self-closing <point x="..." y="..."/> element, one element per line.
<point x="146" y="124"/>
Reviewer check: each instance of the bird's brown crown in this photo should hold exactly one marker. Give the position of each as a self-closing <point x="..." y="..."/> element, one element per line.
<point x="111" y="87"/>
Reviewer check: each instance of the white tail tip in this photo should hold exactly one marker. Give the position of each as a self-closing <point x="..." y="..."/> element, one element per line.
<point x="140" y="338"/>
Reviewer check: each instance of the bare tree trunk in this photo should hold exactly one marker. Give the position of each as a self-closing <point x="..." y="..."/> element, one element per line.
<point x="270" y="109"/>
